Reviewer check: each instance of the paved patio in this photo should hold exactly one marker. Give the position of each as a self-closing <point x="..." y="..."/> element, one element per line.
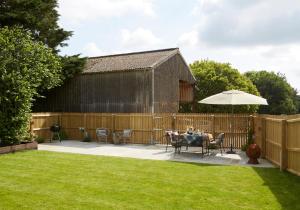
<point x="153" y="152"/>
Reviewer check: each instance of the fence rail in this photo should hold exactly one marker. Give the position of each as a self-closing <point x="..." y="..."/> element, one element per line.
<point x="147" y="128"/>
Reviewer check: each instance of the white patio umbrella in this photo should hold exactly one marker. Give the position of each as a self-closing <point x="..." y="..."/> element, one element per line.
<point x="234" y="97"/>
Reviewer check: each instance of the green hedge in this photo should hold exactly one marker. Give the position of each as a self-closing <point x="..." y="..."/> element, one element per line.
<point x="26" y="68"/>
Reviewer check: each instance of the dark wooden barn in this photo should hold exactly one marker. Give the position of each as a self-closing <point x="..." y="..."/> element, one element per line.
<point x="149" y="82"/>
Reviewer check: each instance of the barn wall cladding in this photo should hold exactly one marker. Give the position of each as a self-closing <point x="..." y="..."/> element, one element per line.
<point x="141" y="82"/>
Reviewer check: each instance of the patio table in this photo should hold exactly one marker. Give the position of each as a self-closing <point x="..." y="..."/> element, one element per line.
<point x="196" y="140"/>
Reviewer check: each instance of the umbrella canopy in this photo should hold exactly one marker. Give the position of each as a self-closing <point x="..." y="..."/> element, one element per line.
<point x="234" y="97"/>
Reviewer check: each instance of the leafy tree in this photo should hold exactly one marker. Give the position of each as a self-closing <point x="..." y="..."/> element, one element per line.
<point x="298" y="102"/>
<point x="41" y="18"/>
<point x="274" y="87"/>
<point x="26" y="66"/>
<point x="212" y="78"/>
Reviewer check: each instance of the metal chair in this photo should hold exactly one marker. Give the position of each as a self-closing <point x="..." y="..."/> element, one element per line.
<point x="174" y="139"/>
<point x="126" y="135"/>
<point x="102" y="133"/>
<point x="177" y="141"/>
<point x="219" y="142"/>
<point x="168" y="137"/>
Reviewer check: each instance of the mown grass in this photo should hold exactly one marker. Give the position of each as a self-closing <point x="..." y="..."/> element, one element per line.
<point x="49" y="180"/>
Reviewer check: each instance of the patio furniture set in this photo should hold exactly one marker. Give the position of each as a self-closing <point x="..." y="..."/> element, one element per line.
<point x="193" y="138"/>
<point x="123" y="136"/>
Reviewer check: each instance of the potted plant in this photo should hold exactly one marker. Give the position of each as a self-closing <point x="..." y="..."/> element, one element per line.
<point x="86" y="137"/>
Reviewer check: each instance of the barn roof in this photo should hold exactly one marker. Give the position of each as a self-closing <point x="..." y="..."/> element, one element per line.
<point x="128" y="61"/>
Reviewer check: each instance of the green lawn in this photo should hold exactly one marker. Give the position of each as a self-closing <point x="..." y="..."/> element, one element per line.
<point x="48" y="180"/>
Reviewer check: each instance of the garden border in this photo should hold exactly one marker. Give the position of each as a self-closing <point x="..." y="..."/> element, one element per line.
<point x="18" y="147"/>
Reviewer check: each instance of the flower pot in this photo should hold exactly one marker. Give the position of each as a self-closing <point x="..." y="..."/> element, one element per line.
<point x="253" y="152"/>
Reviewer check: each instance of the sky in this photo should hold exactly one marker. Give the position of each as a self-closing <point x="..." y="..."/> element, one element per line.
<point x="248" y="34"/>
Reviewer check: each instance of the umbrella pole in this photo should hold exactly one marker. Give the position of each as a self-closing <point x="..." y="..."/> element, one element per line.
<point x="231" y="132"/>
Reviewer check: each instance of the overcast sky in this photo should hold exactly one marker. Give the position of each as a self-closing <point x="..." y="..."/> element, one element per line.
<point x="249" y="34"/>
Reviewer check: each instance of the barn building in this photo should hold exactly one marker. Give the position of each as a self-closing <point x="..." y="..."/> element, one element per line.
<point x="145" y="82"/>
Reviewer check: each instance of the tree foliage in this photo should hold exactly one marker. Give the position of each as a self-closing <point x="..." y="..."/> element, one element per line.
<point x="281" y="96"/>
<point x="26" y="66"/>
<point x="212" y="78"/>
<point x="72" y="65"/>
<point x="41" y="18"/>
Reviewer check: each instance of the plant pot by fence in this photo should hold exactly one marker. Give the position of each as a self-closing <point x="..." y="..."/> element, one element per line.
<point x="19" y="147"/>
<point x="116" y="138"/>
<point x="253" y="152"/>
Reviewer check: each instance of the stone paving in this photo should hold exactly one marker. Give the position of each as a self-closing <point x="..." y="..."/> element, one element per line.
<point x="152" y="152"/>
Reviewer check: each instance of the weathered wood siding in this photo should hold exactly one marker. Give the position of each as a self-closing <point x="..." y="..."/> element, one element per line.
<point x="103" y="92"/>
<point x="123" y="91"/>
<point x="167" y="77"/>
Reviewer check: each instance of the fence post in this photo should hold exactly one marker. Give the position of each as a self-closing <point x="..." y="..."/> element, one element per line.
<point x="152" y="130"/>
<point x="173" y="122"/>
<point x="283" y="152"/>
<point x="263" y="137"/>
<point x="113" y="123"/>
<point x="84" y="121"/>
<point x="59" y="119"/>
<point x="213" y="125"/>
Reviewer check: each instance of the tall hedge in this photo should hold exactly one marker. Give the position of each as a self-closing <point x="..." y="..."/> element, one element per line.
<point x="26" y="66"/>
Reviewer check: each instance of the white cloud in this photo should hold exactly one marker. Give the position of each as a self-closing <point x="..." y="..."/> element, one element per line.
<point x="249" y="34"/>
<point x="91" y="49"/>
<point x="189" y="39"/>
<point x="248" y="22"/>
<point x="82" y="10"/>
<point x="139" y="38"/>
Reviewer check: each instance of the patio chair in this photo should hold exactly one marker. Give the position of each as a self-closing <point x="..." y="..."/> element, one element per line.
<point x="174" y="139"/>
<point x="102" y="133"/>
<point x="177" y="141"/>
<point x="126" y="135"/>
<point x="168" y="137"/>
<point x="219" y="142"/>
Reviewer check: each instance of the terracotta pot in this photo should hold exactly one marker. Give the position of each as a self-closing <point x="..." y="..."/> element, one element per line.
<point x="253" y="152"/>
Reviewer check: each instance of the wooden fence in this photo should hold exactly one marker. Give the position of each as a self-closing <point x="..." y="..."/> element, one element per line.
<point x="147" y="128"/>
<point x="279" y="138"/>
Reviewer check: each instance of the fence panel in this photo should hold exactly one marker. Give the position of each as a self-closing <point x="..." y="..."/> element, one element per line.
<point x="273" y="140"/>
<point x="293" y="146"/>
<point x="41" y="122"/>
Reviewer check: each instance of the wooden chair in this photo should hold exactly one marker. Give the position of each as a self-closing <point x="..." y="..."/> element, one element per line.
<point x="102" y="133"/>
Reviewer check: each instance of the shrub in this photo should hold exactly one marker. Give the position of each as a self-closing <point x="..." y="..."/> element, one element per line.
<point x="39" y="139"/>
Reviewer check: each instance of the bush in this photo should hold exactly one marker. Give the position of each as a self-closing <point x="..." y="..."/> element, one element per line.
<point x="26" y="68"/>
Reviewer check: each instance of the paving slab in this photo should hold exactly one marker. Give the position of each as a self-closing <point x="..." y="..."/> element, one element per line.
<point x="151" y="152"/>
